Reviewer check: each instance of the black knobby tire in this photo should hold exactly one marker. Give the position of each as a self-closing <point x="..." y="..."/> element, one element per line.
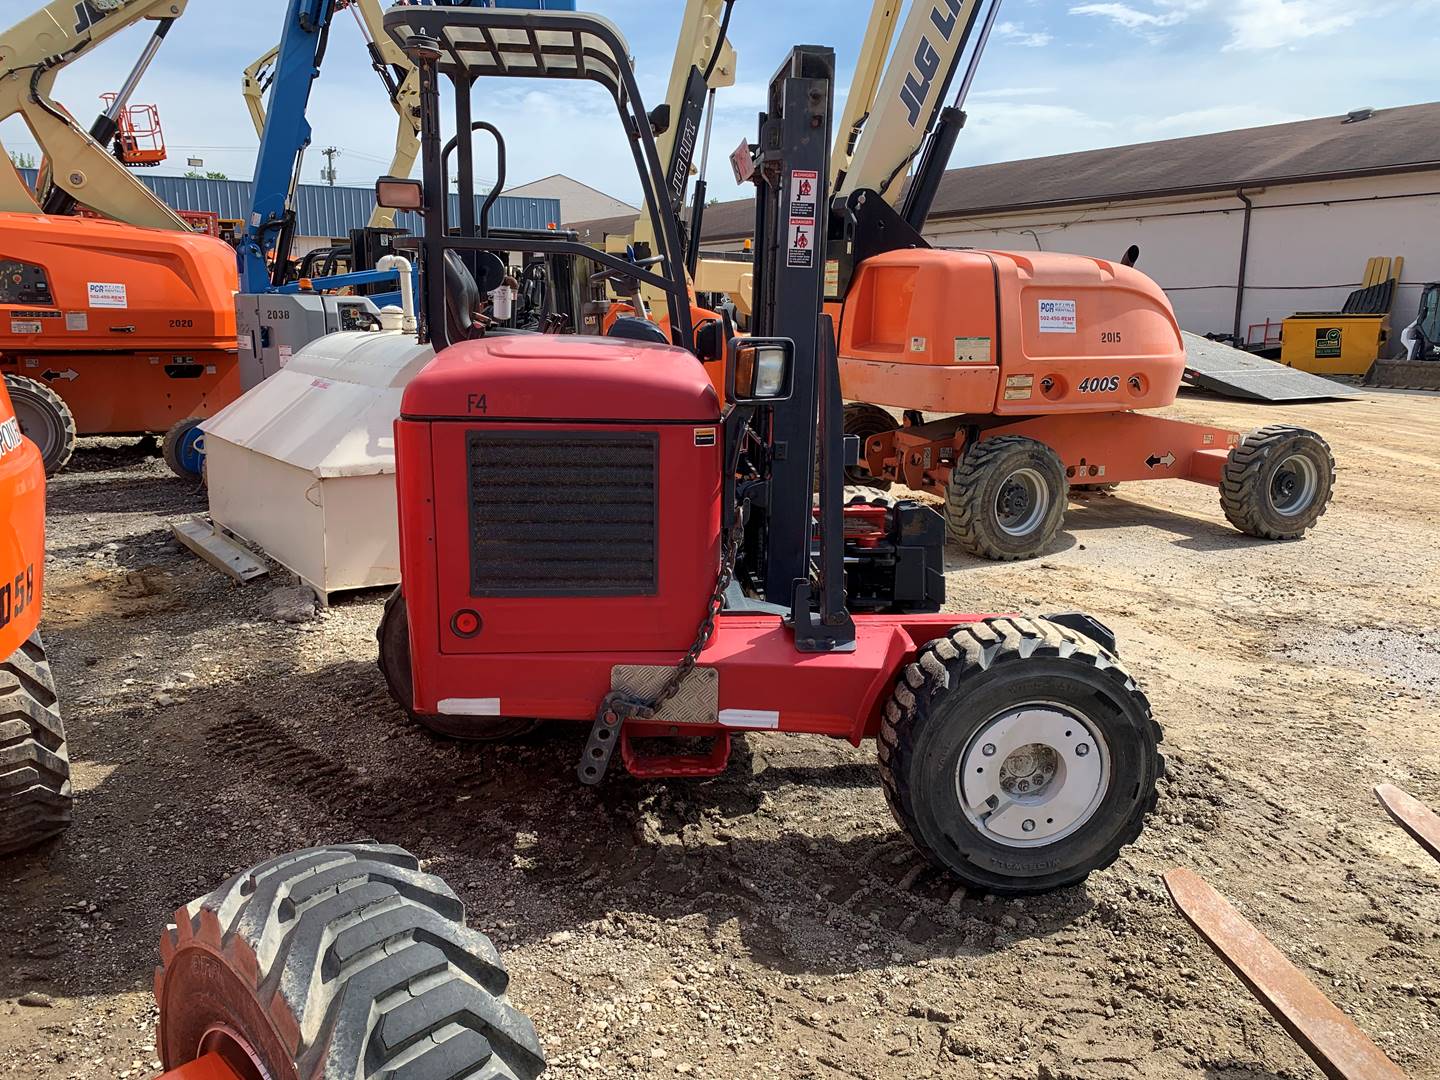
<point x="1278" y="482"/>
<point x="45" y="420"/>
<point x="962" y="684"/>
<point x="339" y="961"/>
<point x="393" y="634"/>
<point x="173" y="449"/>
<point x="866" y="421"/>
<point x="35" y="797"/>
<point x="988" y="504"/>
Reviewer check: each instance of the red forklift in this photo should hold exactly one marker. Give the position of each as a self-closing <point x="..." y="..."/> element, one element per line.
<point x="590" y="533"/>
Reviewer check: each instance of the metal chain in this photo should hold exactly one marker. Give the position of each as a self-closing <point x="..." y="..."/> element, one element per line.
<point x="645" y="709"/>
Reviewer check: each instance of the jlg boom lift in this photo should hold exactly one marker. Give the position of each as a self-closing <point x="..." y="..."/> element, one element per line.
<point x="105" y="327"/>
<point x="589" y="533"/>
<point x="1020" y="374"/>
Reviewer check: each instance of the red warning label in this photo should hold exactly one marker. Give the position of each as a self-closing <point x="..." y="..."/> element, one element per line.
<point x="801" y="249"/>
<point x="804" y="186"/>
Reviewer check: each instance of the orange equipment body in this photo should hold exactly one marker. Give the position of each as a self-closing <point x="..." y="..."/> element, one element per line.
<point x="133" y="327"/>
<point x="22" y="531"/>
<point x="1060" y="348"/>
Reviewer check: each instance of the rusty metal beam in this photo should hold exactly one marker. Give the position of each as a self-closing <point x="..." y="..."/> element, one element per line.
<point x="1412" y="815"/>
<point x="1333" y="1042"/>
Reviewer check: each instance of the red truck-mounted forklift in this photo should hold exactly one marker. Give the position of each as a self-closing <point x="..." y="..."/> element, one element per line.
<point x="589" y="533"/>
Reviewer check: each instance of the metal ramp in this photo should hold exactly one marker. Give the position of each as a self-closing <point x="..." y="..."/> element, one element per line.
<point x="1221" y="369"/>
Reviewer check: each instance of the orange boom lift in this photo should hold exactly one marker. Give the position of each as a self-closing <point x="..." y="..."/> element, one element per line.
<point x="107" y="327"/>
<point x="1018" y="375"/>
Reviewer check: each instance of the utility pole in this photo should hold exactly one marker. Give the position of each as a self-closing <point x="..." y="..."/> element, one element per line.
<point x="328" y="174"/>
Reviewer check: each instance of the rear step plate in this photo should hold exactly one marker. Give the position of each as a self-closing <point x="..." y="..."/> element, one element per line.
<point x="1221" y="369"/>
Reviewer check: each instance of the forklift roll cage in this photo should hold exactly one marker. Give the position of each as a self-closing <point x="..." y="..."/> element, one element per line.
<point x="466" y="45"/>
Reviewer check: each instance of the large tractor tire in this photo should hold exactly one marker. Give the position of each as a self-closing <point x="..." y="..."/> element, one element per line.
<point x="393" y="635"/>
<point x="1006" y="498"/>
<point x="34" y="762"/>
<point x="342" y="961"/>
<point x="184" y="449"/>
<point x="866" y="421"/>
<point x="1019" y="755"/>
<point x="45" y="420"/>
<point x="1277" y="482"/>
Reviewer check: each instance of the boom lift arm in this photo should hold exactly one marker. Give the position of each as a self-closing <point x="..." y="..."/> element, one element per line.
<point x="396" y="72"/>
<point x="704" y="62"/>
<point x="32" y="54"/>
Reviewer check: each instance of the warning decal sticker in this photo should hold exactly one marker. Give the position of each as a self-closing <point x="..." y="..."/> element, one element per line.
<point x="801" y="249"/>
<point x="972" y="350"/>
<point x="24" y="326"/>
<point x="107" y="295"/>
<point x="1057" y="317"/>
<point x="803" y="183"/>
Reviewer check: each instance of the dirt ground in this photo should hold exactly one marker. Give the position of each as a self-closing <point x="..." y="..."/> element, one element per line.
<point x="773" y="922"/>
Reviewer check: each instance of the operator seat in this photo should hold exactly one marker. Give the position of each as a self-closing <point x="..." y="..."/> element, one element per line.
<point x="634" y="328"/>
<point x="462" y="299"/>
<point x="462" y="293"/>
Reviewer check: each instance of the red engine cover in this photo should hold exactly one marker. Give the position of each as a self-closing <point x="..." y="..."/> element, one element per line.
<point x="563" y="377"/>
<point x="556" y="494"/>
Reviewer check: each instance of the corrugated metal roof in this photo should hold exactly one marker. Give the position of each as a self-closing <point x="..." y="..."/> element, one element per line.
<point x="1390" y="141"/>
<point x="328" y="211"/>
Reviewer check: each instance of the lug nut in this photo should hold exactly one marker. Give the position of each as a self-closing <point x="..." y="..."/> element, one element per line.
<point x="1082" y="749"/>
<point x="988" y="749"/>
<point x="1028" y="825"/>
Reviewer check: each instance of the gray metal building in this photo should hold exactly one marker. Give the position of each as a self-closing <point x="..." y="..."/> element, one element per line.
<point x="325" y="212"/>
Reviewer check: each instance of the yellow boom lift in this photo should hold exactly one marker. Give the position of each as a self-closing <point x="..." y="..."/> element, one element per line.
<point x="79" y="166"/>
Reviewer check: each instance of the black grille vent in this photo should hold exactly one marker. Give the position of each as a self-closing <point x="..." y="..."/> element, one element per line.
<point x="570" y="514"/>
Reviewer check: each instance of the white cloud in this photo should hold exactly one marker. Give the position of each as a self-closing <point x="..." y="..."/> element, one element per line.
<point x="1273" y="24"/>
<point x="1016" y="32"/>
<point x="1251" y="24"/>
<point x="1004" y="92"/>
<point x="1132" y="18"/>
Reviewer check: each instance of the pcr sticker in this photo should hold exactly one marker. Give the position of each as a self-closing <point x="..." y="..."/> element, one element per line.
<point x="1057" y="317"/>
<point x="105" y="294"/>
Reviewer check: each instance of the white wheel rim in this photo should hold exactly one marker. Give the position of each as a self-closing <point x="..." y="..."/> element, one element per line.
<point x="1293" y="485"/>
<point x="1033" y="774"/>
<point x="1022" y="502"/>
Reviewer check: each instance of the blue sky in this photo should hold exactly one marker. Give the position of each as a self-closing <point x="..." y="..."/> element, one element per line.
<point x="1059" y="75"/>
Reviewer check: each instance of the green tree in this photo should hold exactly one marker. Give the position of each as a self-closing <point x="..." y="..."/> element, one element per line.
<point x="23" y="161"/>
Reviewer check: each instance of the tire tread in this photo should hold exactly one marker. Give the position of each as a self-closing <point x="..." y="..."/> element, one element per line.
<point x="35" y="790"/>
<point x="964" y="652"/>
<point x="365" y="965"/>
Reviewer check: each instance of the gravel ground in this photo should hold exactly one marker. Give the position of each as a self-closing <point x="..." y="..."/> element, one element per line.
<point x="772" y="922"/>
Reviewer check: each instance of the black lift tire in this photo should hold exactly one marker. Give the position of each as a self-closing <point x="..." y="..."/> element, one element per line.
<point x="339" y="961"/>
<point x="1036" y="704"/>
<point x="393" y="635"/>
<point x="45" y="420"/>
<point x="1006" y="498"/>
<point x="173" y="449"/>
<point x="866" y="421"/>
<point x="35" y="795"/>
<point x="1278" y="482"/>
